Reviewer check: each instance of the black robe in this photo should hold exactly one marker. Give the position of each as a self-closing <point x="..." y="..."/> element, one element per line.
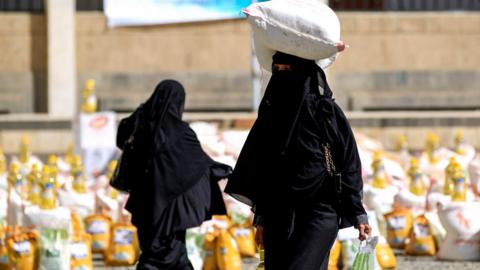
<point x="282" y="160"/>
<point x="179" y="189"/>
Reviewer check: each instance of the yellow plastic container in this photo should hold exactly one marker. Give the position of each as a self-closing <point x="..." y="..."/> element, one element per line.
<point x="48" y="198"/>
<point x="16" y="180"/>
<point x="459" y="193"/>
<point x="379" y="175"/>
<point x="24" y="156"/>
<point x="416" y="176"/>
<point x="78" y="177"/>
<point x="34" y="190"/>
<point x="3" y="162"/>
<point x="449" y="172"/>
<point x="89" y="104"/>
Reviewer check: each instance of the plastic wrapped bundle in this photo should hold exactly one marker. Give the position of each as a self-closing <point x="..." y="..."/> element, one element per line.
<point x="305" y="28"/>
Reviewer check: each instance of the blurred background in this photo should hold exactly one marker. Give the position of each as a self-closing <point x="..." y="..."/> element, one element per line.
<point x="411" y="65"/>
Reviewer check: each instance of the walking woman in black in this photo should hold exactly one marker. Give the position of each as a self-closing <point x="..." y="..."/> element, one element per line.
<point x="179" y="189"/>
<point x="299" y="169"/>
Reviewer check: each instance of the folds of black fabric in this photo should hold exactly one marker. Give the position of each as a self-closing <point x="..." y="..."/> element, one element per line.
<point x="179" y="188"/>
<point x="282" y="156"/>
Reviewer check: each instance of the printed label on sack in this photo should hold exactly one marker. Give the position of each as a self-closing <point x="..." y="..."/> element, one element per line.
<point x="122" y="256"/>
<point x="23" y="247"/>
<point x="79" y="250"/>
<point x="123" y="237"/>
<point x="97" y="227"/>
<point x="241" y="232"/>
<point x="396" y="223"/>
<point x="421" y="230"/>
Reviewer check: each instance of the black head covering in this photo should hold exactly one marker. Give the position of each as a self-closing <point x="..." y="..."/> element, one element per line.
<point x="177" y="161"/>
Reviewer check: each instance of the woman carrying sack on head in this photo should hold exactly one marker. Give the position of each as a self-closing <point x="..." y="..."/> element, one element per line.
<point x="299" y="169"/>
<point x="178" y="189"/>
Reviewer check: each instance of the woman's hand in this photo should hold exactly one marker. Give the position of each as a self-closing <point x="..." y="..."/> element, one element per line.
<point x="259" y="235"/>
<point x="364" y="230"/>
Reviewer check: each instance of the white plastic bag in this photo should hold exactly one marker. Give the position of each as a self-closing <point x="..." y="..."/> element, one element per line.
<point x="305" y="28"/>
<point x="365" y="258"/>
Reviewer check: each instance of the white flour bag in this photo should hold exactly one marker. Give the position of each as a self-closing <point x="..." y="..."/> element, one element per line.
<point x="305" y="28"/>
<point x="462" y="224"/>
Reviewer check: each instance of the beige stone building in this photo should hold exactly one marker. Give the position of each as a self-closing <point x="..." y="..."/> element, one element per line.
<point x="402" y="57"/>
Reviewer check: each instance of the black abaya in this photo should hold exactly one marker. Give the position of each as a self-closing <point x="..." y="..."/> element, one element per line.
<point x="282" y="172"/>
<point x="179" y="189"/>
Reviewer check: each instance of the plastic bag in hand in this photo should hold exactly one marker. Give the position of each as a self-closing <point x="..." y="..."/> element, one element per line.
<point x="365" y="258"/>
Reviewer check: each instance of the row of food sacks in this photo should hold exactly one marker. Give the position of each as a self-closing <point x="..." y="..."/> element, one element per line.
<point x="451" y="232"/>
<point x="85" y="200"/>
<point x="221" y="243"/>
<point x="58" y="239"/>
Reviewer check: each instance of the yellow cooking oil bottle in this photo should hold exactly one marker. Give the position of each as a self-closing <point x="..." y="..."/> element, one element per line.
<point x="89" y="103"/>
<point x="24" y="156"/>
<point x="449" y="173"/>
<point x="48" y="198"/>
<point x="3" y="162"/>
<point x="69" y="154"/>
<point x="16" y="180"/>
<point x="432" y="147"/>
<point x="34" y="190"/>
<point x="78" y="178"/>
<point x="112" y="193"/>
<point x="416" y="176"/>
<point x="459" y="193"/>
<point x="379" y="175"/>
<point x="459" y="142"/>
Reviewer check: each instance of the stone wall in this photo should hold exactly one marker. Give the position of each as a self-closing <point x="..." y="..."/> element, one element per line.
<point x="396" y="61"/>
<point x="404" y="61"/>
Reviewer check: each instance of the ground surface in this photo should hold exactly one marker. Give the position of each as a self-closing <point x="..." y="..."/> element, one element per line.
<point x="404" y="263"/>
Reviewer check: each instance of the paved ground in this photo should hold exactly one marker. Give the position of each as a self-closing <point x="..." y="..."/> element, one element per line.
<point x="404" y="263"/>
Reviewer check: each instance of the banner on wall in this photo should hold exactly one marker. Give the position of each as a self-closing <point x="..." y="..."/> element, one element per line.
<point x="151" y="12"/>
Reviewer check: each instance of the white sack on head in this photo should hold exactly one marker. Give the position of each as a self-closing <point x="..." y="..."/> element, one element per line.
<point x="305" y="28"/>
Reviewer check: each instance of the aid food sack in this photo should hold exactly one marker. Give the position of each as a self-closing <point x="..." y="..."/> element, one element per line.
<point x="305" y="28"/>
<point x="460" y="220"/>
<point x="123" y="249"/>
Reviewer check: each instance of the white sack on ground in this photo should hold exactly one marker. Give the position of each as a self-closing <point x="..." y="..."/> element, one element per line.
<point x="462" y="224"/>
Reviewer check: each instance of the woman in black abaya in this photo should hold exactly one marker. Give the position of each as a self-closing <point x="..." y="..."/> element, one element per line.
<point x="286" y="171"/>
<point x="179" y="189"/>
